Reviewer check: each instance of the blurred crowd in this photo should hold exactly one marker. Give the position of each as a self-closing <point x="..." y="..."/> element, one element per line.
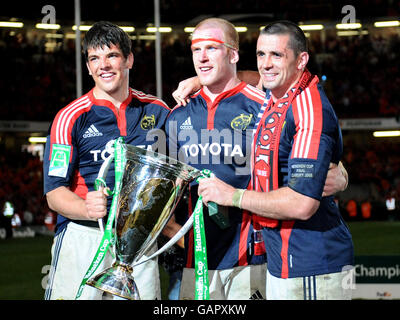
<point x="21" y="184"/>
<point x="374" y="175"/>
<point x="360" y="72"/>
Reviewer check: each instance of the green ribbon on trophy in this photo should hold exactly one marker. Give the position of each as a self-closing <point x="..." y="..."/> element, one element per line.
<point x="202" y="291"/>
<point x="108" y="235"/>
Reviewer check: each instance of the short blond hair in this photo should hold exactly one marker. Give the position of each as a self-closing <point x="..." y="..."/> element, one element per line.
<point x="231" y="36"/>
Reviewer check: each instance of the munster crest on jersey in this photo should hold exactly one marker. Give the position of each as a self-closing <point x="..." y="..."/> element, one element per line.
<point x="148" y="122"/>
<point x="241" y="122"/>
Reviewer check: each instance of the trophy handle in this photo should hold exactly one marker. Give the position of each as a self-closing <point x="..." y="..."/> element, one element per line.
<point x="101" y="181"/>
<point x="183" y="230"/>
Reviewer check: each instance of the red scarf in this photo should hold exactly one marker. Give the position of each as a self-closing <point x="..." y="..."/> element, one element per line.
<point x="265" y="148"/>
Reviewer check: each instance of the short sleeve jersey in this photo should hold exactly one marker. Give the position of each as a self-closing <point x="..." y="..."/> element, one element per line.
<point x="310" y="140"/>
<point x="82" y="136"/>
<point x="216" y="135"/>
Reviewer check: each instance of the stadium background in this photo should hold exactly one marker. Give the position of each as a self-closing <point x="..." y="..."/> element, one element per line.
<point x="359" y="68"/>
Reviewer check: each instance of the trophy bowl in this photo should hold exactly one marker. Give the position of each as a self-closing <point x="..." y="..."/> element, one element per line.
<point x="152" y="184"/>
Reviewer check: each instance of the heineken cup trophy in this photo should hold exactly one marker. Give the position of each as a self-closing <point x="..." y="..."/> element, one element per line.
<point x="151" y="187"/>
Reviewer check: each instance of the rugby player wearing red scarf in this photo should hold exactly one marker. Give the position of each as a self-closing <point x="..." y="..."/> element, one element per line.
<point x="309" y="247"/>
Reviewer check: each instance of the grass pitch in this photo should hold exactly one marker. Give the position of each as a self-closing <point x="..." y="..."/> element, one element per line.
<point x="24" y="261"/>
<point x="376" y="237"/>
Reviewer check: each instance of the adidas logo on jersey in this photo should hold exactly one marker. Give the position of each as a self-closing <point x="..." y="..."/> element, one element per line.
<point x="187" y="124"/>
<point x="92" y="132"/>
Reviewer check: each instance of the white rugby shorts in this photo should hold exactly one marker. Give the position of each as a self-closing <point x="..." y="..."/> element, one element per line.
<point x="238" y="283"/>
<point x="72" y="252"/>
<point x="331" y="286"/>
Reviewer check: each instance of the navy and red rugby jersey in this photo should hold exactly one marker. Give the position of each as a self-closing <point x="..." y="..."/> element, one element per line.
<point x="82" y="136"/>
<point x="310" y="139"/>
<point x="217" y="136"/>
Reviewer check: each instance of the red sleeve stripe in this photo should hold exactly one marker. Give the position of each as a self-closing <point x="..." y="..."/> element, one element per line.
<point x="307" y="111"/>
<point x="258" y="92"/>
<point x="141" y="96"/>
<point x="305" y="121"/>
<point x="315" y="135"/>
<point x="64" y="123"/>
<point x="55" y="137"/>
<point x="254" y="93"/>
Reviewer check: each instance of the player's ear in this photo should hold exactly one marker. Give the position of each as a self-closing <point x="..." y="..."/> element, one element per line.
<point x="302" y="60"/>
<point x="87" y="66"/>
<point x="234" y="56"/>
<point x="129" y="60"/>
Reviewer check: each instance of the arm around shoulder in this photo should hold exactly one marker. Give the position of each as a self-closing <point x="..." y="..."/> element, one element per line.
<point x="250" y="77"/>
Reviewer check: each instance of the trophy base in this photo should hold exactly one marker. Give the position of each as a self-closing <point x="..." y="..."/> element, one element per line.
<point x="117" y="281"/>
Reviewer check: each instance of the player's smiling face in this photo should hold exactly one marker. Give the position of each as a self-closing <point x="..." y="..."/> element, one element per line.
<point x="109" y="69"/>
<point x="278" y="66"/>
<point x="212" y="61"/>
